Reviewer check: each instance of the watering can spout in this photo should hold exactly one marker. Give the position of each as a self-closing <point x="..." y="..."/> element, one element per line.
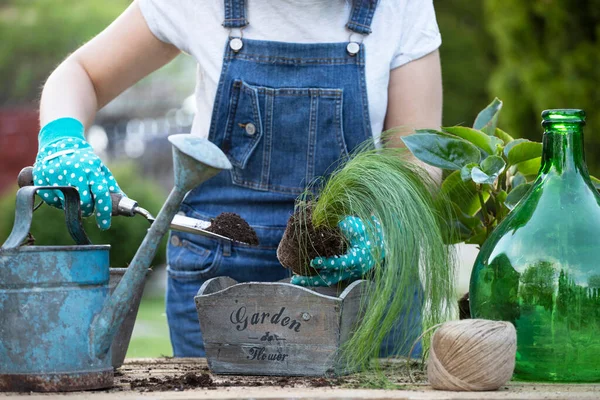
<point x="195" y="160"/>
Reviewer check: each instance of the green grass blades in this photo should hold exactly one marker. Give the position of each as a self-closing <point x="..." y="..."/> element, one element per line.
<point x="386" y="184"/>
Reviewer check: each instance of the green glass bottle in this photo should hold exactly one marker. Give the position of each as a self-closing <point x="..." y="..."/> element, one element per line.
<point x="540" y="268"/>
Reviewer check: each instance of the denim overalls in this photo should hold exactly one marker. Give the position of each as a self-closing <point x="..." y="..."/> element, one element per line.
<point x="284" y="114"/>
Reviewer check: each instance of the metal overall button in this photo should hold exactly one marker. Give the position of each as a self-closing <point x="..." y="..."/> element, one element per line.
<point x="250" y="129"/>
<point x="353" y="48"/>
<point x="175" y="240"/>
<point x="236" y="44"/>
<point x="354" y="42"/>
<point x="235" y="39"/>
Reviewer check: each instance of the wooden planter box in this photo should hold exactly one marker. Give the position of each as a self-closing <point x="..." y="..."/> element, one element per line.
<point x="276" y="328"/>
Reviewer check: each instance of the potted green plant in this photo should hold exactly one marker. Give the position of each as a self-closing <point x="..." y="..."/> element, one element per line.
<point x="387" y="191"/>
<point x="486" y="173"/>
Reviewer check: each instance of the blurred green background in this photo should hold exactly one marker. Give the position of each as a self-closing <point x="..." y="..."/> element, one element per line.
<point x="533" y="55"/>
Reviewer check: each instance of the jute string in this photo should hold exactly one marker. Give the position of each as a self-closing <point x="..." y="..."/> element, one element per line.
<point x="472" y="355"/>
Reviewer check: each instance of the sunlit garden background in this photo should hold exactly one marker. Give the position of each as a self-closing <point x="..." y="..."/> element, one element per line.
<point x="533" y="55"/>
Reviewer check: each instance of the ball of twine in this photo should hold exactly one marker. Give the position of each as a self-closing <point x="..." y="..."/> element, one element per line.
<point x="472" y="355"/>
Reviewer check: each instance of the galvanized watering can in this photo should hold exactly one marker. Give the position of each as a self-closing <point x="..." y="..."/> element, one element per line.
<point x="57" y="320"/>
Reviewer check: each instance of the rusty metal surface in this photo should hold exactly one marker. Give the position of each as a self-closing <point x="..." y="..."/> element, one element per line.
<point x="56" y="382"/>
<point x="48" y="298"/>
<point x="24" y="215"/>
<point x="58" y="320"/>
<point x="194" y="161"/>
<point x="121" y="340"/>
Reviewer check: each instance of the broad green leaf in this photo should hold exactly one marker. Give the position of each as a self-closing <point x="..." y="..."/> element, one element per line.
<point x="518" y="180"/>
<point x="487" y="119"/>
<point x="524" y="151"/>
<point x="433" y="131"/>
<point x="467" y="220"/>
<point x="501" y="213"/>
<point x="481" y="177"/>
<point x="493" y="165"/>
<point x="532" y="177"/>
<point x="463" y="226"/>
<point x="596" y="182"/>
<point x="512" y="144"/>
<point x="479" y="237"/>
<point x="506" y="138"/>
<point x="530" y="167"/>
<point x="489" y="144"/>
<point x="465" y="172"/>
<point x="501" y="196"/>
<point x="516" y="195"/>
<point x="442" y="151"/>
<point x="464" y="194"/>
<point x="458" y="233"/>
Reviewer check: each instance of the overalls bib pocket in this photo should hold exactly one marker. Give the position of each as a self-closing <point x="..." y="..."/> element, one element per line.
<point x="244" y="125"/>
<point x="281" y="139"/>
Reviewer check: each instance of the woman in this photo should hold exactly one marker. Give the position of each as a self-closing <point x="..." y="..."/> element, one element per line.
<point x="285" y="97"/>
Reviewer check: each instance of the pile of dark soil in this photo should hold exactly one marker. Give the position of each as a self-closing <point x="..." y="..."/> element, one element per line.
<point x="302" y="242"/>
<point x="234" y="227"/>
<point x="189" y="380"/>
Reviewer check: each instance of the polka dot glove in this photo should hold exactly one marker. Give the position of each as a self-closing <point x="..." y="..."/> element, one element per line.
<point x="65" y="159"/>
<point x="357" y="261"/>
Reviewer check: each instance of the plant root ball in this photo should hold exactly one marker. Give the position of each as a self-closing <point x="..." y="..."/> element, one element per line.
<point x="472" y="355"/>
<point x="302" y="242"/>
<point x="234" y="227"/>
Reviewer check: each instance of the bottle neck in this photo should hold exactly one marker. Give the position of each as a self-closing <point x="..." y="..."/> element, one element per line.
<point x="563" y="149"/>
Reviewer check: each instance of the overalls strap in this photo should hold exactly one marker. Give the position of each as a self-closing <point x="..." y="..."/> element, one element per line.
<point x="362" y="16"/>
<point x="235" y="14"/>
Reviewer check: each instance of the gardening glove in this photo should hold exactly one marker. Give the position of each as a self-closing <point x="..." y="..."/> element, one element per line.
<point x="65" y="159"/>
<point x="357" y="261"/>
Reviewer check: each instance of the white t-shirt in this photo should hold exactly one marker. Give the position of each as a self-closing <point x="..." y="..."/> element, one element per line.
<point x="403" y="30"/>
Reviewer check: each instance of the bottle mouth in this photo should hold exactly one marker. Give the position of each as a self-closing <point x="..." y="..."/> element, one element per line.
<point x="560" y="116"/>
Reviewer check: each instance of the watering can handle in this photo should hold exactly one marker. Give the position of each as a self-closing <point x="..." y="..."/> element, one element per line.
<point x="121" y="205"/>
<point x="24" y="215"/>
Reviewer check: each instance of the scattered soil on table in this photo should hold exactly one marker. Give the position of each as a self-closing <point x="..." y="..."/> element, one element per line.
<point x="302" y="242"/>
<point x="234" y="227"/>
<point x="189" y="380"/>
<point x="464" y="309"/>
<point x="192" y="377"/>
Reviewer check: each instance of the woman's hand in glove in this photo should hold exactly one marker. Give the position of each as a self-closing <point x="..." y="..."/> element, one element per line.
<point x="357" y="261"/>
<point x="65" y="159"/>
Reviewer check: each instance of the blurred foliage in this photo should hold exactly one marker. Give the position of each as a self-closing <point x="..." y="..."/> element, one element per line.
<point x="38" y="34"/>
<point x="467" y="59"/>
<point x="124" y="236"/>
<point x="534" y="55"/>
<point x="548" y="55"/>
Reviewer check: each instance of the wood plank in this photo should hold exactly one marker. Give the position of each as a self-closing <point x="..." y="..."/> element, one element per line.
<point x="272" y="360"/>
<point x="276" y="328"/>
<point x="294" y="388"/>
<point x="268" y="328"/>
<point x="352" y="305"/>
<point x="268" y="313"/>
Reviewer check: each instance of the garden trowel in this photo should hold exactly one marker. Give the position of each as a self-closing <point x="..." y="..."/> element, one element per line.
<point x="124" y="206"/>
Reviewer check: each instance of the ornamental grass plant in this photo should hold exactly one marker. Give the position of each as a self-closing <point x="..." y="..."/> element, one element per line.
<point x="416" y="275"/>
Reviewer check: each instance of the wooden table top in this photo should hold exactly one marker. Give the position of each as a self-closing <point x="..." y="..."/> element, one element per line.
<point x="189" y="378"/>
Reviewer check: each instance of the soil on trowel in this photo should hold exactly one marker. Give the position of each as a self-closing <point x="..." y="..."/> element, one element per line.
<point x="234" y="227"/>
<point x="302" y="242"/>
